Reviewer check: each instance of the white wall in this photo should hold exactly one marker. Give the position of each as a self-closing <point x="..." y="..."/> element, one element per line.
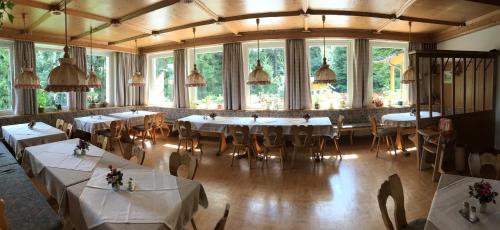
<point x="483" y="40"/>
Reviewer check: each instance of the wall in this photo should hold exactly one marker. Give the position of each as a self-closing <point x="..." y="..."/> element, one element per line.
<point x="483" y="40"/>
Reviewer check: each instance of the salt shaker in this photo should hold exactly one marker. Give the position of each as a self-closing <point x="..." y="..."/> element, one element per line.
<point x="466" y="210"/>
<point x="130" y="184"/>
<point x="472" y="214"/>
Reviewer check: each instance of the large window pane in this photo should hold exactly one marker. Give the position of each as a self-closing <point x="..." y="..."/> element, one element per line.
<point x="387" y="68"/>
<point x="5" y="80"/>
<point x="46" y="60"/>
<point x="329" y="95"/>
<point x="209" y="97"/>
<point x="164" y="72"/>
<point x="100" y="65"/>
<point x="270" y="96"/>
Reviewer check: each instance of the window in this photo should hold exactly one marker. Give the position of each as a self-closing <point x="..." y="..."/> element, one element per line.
<point x="209" y="64"/>
<point x="388" y="64"/>
<point x="5" y="78"/>
<point x="338" y="56"/>
<point x="46" y="60"/>
<point x="272" y="59"/>
<point x="101" y="68"/>
<point x="163" y="69"/>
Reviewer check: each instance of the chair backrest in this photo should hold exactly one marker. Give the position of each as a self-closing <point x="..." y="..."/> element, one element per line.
<point x="485" y="165"/>
<point x="133" y="150"/>
<point x="373" y="124"/>
<point x="240" y="134"/>
<point x="60" y="124"/>
<point x="102" y="142"/>
<point x="149" y="120"/>
<point x="68" y="128"/>
<point x="184" y="128"/>
<point x="116" y="128"/>
<point x="176" y="160"/>
<point x="159" y="119"/>
<point x="273" y="136"/>
<point x="340" y="125"/>
<point x="301" y="135"/>
<point x="222" y="222"/>
<point x="392" y="187"/>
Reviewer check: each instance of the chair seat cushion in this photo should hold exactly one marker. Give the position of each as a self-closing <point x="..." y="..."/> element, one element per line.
<point x="384" y="132"/>
<point x="417" y="224"/>
<point x="139" y="127"/>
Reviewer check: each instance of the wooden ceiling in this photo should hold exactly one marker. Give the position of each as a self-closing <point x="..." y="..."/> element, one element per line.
<point x="117" y="23"/>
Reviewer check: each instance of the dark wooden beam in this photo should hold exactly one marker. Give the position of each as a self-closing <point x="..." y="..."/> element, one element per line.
<point x="58" y="6"/>
<point x="490" y="2"/>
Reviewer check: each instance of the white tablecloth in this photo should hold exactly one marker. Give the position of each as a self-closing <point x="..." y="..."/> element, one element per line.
<point x="19" y="136"/>
<point x="322" y="125"/>
<point x="146" y="204"/>
<point x="132" y="119"/>
<point x="449" y="200"/>
<point x="405" y="119"/>
<point x="91" y="124"/>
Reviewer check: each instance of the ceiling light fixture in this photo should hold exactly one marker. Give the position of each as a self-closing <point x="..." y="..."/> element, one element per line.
<point x="27" y="78"/>
<point x="258" y="76"/>
<point x="137" y="79"/>
<point x="324" y="74"/>
<point x="409" y="74"/>
<point x="195" y="79"/>
<point x="67" y="76"/>
<point x="93" y="80"/>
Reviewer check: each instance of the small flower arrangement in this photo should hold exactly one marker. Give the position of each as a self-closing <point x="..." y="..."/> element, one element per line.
<point x="81" y="148"/>
<point x="133" y="110"/>
<point x="377" y="102"/>
<point x="307" y="117"/>
<point x="114" y="177"/>
<point x="483" y="192"/>
<point x="212" y="115"/>
<point x="255" y="116"/>
<point x="31" y="124"/>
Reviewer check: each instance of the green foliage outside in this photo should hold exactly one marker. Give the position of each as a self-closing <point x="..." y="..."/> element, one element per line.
<point x="165" y="68"/>
<point x="273" y="62"/>
<point x="210" y="96"/>
<point x="381" y="70"/>
<point x="5" y="80"/>
<point x="100" y="65"/>
<point x="336" y="57"/>
<point x="46" y="60"/>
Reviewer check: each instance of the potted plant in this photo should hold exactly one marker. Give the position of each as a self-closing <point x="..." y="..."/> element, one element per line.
<point x="306" y="117"/>
<point x="484" y="193"/>
<point x="41" y="109"/>
<point x="104" y="104"/>
<point x="377" y="102"/>
<point x="115" y="178"/>
<point x="255" y="116"/>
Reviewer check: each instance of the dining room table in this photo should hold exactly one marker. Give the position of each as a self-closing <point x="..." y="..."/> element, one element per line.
<point x="20" y="136"/>
<point x="452" y="191"/>
<point x="132" y="118"/>
<point x="322" y="126"/>
<point x="93" y="123"/>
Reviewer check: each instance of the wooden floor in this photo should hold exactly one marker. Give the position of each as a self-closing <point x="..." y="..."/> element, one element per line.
<point x="331" y="194"/>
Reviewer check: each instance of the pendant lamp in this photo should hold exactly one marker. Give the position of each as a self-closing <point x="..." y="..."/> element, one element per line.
<point x="67" y="76"/>
<point x="195" y="79"/>
<point x="409" y="74"/>
<point x="324" y="74"/>
<point x="136" y="79"/>
<point x="258" y="76"/>
<point x="93" y="81"/>
<point x="27" y="78"/>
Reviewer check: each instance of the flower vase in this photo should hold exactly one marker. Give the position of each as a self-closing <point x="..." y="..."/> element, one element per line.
<point x="254" y="119"/>
<point x="116" y="187"/>
<point x="76" y="152"/>
<point x="483" y="207"/>
<point x="83" y="152"/>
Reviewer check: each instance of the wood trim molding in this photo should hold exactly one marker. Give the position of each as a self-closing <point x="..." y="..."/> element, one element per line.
<point x="480" y="23"/>
<point x="285" y="34"/>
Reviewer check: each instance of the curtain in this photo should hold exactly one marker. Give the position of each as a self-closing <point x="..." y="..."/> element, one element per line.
<point x="77" y="100"/>
<point x="361" y="73"/>
<point x="126" y="65"/>
<point x="424" y="70"/>
<point x="24" y="101"/>
<point x="297" y="85"/>
<point x="233" y="78"/>
<point x="181" y="96"/>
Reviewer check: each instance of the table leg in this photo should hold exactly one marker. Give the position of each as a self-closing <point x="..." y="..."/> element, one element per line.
<point x="222" y="144"/>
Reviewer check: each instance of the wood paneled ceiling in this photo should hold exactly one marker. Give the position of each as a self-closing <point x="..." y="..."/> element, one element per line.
<point x="117" y="23"/>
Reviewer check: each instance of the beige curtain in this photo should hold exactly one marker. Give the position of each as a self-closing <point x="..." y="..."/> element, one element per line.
<point x="361" y="73"/>
<point x="233" y="78"/>
<point x="77" y="100"/>
<point x="181" y="96"/>
<point x="424" y="69"/>
<point x="126" y="65"/>
<point x="24" y="100"/>
<point x="297" y="85"/>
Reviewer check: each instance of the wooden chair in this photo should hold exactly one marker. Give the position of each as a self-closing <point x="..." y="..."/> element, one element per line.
<point x="3" y="218"/>
<point x="241" y="141"/>
<point x="302" y="140"/>
<point x="60" y="124"/>
<point x="114" y="134"/>
<point x="159" y="124"/>
<point x="485" y="165"/>
<point x="68" y="129"/>
<point x="176" y="160"/>
<point x="102" y="142"/>
<point x="222" y="222"/>
<point x="393" y="187"/>
<point x="337" y="136"/>
<point x="434" y="144"/>
<point x="132" y="150"/>
<point x="379" y="133"/>
<point x="273" y="140"/>
<point x="188" y="136"/>
<point x="143" y="130"/>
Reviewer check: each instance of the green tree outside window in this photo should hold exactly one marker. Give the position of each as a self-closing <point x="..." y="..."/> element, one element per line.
<point x="5" y="80"/>
<point x="46" y="60"/>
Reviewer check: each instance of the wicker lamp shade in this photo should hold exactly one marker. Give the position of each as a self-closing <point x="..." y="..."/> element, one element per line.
<point x="324" y="74"/>
<point x="408" y="75"/>
<point x="27" y="79"/>
<point x="93" y="80"/>
<point x="258" y="76"/>
<point x="136" y="80"/>
<point x="66" y="77"/>
<point x="195" y="79"/>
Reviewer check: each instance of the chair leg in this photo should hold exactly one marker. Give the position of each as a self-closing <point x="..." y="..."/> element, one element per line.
<point x="293" y="156"/>
<point x="281" y="157"/>
<point x="250" y="153"/>
<point x="373" y="143"/>
<point x="178" y="145"/>
<point x="234" y="151"/>
<point x="378" y="146"/>
<point x="337" y="147"/>
<point x="393" y="146"/>
<point x="121" y="147"/>
<point x="194" y="224"/>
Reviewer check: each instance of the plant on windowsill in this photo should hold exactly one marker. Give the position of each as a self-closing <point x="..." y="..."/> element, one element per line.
<point x="316" y="105"/>
<point x="377" y="102"/>
<point x="92" y="101"/>
<point x="104" y="104"/>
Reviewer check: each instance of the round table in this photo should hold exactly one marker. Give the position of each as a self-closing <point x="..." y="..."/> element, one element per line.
<point x="405" y="123"/>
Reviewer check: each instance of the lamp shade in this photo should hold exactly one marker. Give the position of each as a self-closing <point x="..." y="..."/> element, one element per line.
<point x="408" y="75"/>
<point x="27" y="79"/>
<point x="195" y="79"/>
<point x="325" y="74"/>
<point x="136" y="80"/>
<point x="66" y="77"/>
<point x="93" y="80"/>
<point x="258" y="76"/>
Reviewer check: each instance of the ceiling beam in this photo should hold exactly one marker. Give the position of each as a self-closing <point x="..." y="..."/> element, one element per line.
<point x="490" y="2"/>
<point x="137" y="13"/>
<point x="285" y="34"/>
<point x="398" y="14"/>
<point x="213" y="15"/>
<point x="73" y="12"/>
<point x="58" y="6"/>
<point x="479" y="23"/>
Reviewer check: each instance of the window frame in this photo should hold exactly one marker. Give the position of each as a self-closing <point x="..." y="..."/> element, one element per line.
<point x="389" y="44"/>
<point x="47" y="47"/>
<point x="10" y="46"/>
<point x="151" y="74"/>
<point x="350" y="61"/>
<point x="190" y="62"/>
<point x="110" y="73"/>
<point x="245" y="52"/>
